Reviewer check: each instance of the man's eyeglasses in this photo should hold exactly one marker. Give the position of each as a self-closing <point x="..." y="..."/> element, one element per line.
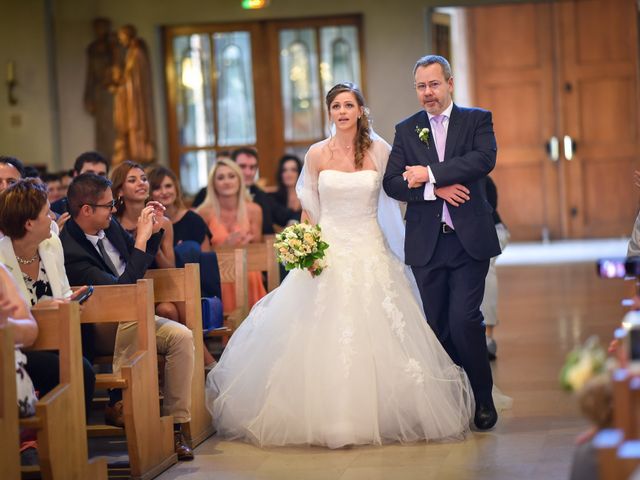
<point x="109" y="205"/>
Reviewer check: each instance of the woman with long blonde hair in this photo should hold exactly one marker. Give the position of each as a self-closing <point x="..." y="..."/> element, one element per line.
<point x="234" y="220"/>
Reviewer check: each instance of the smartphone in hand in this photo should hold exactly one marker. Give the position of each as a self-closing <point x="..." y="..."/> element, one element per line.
<point x="84" y="296"/>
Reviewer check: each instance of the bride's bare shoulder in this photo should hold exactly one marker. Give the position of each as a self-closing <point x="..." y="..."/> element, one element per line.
<point x="319" y="153"/>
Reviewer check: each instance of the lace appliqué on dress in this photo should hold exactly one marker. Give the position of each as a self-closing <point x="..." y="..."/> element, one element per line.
<point x="414" y="370"/>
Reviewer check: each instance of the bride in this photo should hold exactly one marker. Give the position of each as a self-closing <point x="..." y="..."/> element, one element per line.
<point x="345" y="357"/>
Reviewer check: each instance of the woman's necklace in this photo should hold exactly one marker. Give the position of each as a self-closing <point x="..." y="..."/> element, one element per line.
<point x="346" y="151"/>
<point x="27" y="261"/>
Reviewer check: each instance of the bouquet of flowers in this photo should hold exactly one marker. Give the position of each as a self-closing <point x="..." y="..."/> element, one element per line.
<point x="583" y="363"/>
<point x="301" y="246"/>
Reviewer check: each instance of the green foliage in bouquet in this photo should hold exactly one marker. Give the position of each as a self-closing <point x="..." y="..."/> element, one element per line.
<point x="583" y="363"/>
<point x="301" y="246"/>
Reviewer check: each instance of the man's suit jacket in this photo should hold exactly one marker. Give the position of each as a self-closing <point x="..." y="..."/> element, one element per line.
<point x="85" y="265"/>
<point x="272" y="212"/>
<point x="52" y="259"/>
<point x="470" y="154"/>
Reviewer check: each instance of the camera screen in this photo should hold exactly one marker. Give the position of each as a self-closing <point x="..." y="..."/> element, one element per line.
<point x="612" y="268"/>
<point x="634" y="340"/>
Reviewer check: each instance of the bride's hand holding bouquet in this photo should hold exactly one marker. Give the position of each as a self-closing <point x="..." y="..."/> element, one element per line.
<point x="301" y="246"/>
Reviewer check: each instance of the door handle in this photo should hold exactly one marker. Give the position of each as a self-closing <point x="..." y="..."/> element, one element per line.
<point x="553" y="149"/>
<point x="569" y="145"/>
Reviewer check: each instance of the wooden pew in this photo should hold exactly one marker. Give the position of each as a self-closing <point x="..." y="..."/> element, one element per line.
<point x="618" y="449"/>
<point x="9" y="430"/>
<point x="60" y="415"/>
<point x="261" y="257"/>
<point x="182" y="285"/>
<point x="149" y="436"/>
<point x="233" y="269"/>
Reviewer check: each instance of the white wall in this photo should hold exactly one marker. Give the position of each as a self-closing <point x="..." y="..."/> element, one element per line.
<point x="26" y="129"/>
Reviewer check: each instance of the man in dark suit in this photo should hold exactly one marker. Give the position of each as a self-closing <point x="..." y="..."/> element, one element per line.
<point x="439" y="159"/>
<point x="98" y="251"/>
<point x="272" y="211"/>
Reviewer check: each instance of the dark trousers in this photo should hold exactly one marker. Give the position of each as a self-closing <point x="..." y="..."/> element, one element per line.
<point x="44" y="370"/>
<point x="451" y="286"/>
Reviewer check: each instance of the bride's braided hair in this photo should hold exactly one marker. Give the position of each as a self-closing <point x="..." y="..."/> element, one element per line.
<point x="363" y="134"/>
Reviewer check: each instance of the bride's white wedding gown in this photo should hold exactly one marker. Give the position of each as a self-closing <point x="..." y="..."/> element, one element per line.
<point x="345" y="358"/>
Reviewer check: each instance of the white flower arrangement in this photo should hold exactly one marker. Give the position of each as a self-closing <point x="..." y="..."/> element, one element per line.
<point x="301" y="246"/>
<point x="423" y="135"/>
<point x="583" y="363"/>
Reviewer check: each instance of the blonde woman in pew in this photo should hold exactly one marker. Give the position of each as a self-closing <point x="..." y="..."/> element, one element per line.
<point x="234" y="221"/>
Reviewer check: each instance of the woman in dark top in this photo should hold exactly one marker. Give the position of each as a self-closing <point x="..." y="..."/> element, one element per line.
<point x="187" y="225"/>
<point x="288" y="172"/>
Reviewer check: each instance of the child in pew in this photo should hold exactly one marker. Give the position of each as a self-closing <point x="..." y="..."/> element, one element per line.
<point x="596" y="404"/>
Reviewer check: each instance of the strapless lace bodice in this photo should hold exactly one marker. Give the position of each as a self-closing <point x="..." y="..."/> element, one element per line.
<point x="348" y="196"/>
<point x="349" y="206"/>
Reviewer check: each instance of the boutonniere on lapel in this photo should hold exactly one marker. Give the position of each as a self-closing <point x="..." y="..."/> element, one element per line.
<point x="423" y="135"/>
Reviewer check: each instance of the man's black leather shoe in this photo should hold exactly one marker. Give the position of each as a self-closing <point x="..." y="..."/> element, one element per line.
<point x="486" y="416"/>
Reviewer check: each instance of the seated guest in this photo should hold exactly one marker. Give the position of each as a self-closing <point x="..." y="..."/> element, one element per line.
<point x="199" y="198"/>
<point x="289" y="170"/>
<point x="234" y="221"/>
<point x="596" y="403"/>
<point x="65" y="179"/>
<point x="272" y="212"/>
<point x="99" y="251"/>
<point x="87" y="162"/>
<point x="130" y="188"/>
<point x="11" y="170"/>
<point x="187" y="225"/>
<point x="35" y="259"/>
<point x="54" y="186"/>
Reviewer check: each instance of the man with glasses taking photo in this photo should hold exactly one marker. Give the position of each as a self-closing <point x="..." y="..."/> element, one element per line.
<point x="98" y="251"/>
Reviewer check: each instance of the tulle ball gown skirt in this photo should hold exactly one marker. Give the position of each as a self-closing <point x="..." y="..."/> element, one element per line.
<point x="345" y="358"/>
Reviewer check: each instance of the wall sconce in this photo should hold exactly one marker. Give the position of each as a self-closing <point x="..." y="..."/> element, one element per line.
<point x="11" y="82"/>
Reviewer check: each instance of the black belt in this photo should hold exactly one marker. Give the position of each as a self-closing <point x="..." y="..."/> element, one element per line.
<point x="444" y="228"/>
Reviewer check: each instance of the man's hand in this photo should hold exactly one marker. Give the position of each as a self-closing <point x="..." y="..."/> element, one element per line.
<point x="636" y="178"/>
<point x="416" y="176"/>
<point x="455" y="194"/>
